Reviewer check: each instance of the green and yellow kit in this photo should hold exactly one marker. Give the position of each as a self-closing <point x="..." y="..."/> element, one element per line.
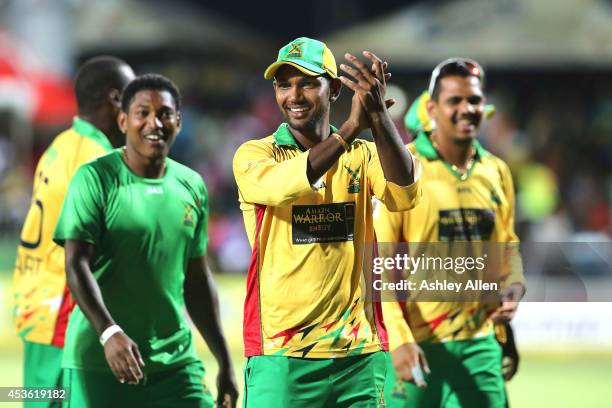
<point x="475" y="206"/>
<point x="304" y="297"/>
<point x="42" y="300"/>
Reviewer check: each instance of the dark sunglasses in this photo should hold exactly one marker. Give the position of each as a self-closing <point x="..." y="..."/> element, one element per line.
<point x="455" y="66"/>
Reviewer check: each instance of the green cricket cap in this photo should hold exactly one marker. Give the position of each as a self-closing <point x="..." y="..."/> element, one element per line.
<point x="310" y="56"/>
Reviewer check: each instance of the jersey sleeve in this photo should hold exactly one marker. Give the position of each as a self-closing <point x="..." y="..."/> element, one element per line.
<point x="387" y="224"/>
<point x="263" y="180"/>
<point x="388" y="227"/>
<point x="397" y="327"/>
<point x="395" y="197"/>
<point x="82" y="214"/>
<point x="513" y="256"/>
<point x="198" y="247"/>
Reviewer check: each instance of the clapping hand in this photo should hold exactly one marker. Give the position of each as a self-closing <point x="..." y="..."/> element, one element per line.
<point x="369" y="87"/>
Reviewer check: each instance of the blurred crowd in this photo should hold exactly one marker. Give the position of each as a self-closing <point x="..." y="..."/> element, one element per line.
<point x="552" y="127"/>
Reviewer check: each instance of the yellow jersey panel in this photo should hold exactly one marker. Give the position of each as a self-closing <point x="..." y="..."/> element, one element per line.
<point x="39" y="281"/>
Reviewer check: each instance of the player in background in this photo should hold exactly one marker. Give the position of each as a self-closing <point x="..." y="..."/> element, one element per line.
<point x="311" y="336"/>
<point x="134" y="225"/>
<point x="466" y="185"/>
<point x="42" y="299"/>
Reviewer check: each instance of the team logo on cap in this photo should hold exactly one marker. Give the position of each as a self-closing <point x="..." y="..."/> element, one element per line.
<point x="296" y="50"/>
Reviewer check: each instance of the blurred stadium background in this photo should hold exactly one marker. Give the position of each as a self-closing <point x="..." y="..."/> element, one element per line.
<point x="549" y="72"/>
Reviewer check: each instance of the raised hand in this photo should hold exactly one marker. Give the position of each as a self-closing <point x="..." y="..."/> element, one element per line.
<point x="369" y="88"/>
<point x="124" y="358"/>
<point x="369" y="84"/>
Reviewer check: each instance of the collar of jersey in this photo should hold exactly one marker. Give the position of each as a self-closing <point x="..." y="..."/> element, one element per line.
<point x="426" y="149"/>
<point x="284" y="137"/>
<point x="88" y="130"/>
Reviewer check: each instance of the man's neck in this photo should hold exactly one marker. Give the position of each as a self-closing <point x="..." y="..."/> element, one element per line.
<point x="308" y="138"/>
<point x="101" y="122"/>
<point x="142" y="166"/>
<point x="458" y="154"/>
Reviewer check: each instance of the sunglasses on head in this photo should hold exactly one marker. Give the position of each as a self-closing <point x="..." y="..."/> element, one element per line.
<point x="455" y="66"/>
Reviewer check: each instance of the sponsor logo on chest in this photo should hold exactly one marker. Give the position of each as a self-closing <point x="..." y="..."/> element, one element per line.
<point x="323" y="223"/>
<point x="466" y="224"/>
<point x="155" y="190"/>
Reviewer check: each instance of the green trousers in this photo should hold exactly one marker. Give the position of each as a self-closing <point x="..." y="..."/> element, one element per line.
<point x="466" y="373"/>
<point x="180" y="387"/>
<point x="42" y="367"/>
<point x="288" y="382"/>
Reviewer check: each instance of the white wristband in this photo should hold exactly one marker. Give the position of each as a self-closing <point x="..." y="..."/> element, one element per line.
<point x="109" y="332"/>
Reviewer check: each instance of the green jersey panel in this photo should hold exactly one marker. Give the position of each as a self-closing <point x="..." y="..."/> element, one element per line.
<point x="144" y="232"/>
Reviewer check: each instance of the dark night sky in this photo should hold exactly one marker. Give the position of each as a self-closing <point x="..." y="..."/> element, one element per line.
<point x="277" y="19"/>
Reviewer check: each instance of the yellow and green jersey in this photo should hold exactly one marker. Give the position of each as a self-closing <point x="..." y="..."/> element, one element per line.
<point x="475" y="206"/>
<point x="42" y="300"/>
<point x="304" y="296"/>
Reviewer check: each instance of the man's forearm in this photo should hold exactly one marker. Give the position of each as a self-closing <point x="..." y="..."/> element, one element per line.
<point x="203" y="307"/>
<point x="323" y="156"/>
<point x="394" y="158"/>
<point x="84" y="287"/>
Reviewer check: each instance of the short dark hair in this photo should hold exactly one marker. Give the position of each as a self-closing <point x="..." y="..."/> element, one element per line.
<point x="462" y="67"/>
<point x="95" y="78"/>
<point x="151" y="82"/>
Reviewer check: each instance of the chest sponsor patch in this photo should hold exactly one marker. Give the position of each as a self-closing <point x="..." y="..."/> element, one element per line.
<point x="466" y="224"/>
<point x="323" y="223"/>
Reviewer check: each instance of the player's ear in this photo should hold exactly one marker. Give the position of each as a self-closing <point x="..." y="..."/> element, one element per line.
<point x="335" y="87"/>
<point x="122" y="122"/>
<point x="114" y="98"/>
<point x="432" y="107"/>
<point x="179" y="121"/>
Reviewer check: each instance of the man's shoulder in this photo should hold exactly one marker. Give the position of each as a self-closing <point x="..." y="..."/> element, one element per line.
<point x="61" y="148"/>
<point x="112" y="158"/>
<point x="256" y="147"/>
<point x="72" y="140"/>
<point x="106" y="164"/>
<point x="267" y="141"/>
<point x="67" y="142"/>
<point x="184" y="172"/>
<point x="71" y="147"/>
<point x="367" y="144"/>
<point x="489" y="159"/>
<point x="66" y="135"/>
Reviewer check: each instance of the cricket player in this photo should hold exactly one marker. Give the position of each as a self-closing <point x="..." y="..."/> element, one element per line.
<point x="468" y="196"/>
<point x="43" y="302"/>
<point x="311" y="337"/>
<point x="134" y="225"/>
